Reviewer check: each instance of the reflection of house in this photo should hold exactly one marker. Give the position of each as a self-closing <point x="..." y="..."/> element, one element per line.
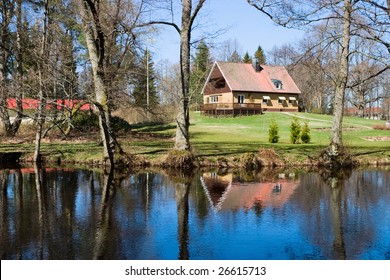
<point x="224" y="193"/>
<point x="240" y="88"/>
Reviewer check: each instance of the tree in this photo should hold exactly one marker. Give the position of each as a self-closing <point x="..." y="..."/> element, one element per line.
<point x="305" y="133"/>
<point x="247" y="58"/>
<point x="145" y="92"/>
<point x="200" y="69"/>
<point x="11" y="63"/>
<point x="259" y="55"/>
<point x="109" y="30"/>
<point x="189" y="12"/>
<point x="273" y="132"/>
<point x="295" y="130"/>
<point x="235" y="57"/>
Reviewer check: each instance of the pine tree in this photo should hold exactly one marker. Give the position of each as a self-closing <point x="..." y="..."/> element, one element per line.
<point x="235" y="57"/>
<point x="295" y="130"/>
<point x="145" y="93"/>
<point x="273" y="132"/>
<point x="305" y="133"/>
<point x="247" y="58"/>
<point x="260" y="56"/>
<point x="199" y="72"/>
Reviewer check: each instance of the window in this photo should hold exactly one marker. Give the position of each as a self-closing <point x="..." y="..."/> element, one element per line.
<point x="291" y="100"/>
<point x="241" y="99"/>
<point x="278" y="83"/>
<point x="214" y="99"/>
<point x="281" y="100"/>
<point x="266" y="100"/>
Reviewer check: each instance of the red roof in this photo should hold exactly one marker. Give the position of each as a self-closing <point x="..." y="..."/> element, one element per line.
<point x="29" y="103"/>
<point x="243" y="77"/>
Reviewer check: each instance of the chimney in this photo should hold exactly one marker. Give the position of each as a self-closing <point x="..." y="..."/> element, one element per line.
<point x="256" y="65"/>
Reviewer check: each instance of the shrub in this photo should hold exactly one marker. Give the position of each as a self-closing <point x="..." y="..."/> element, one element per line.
<point x="305" y="133"/>
<point x="119" y="124"/>
<point x="273" y="132"/>
<point x="82" y="121"/>
<point x="295" y="130"/>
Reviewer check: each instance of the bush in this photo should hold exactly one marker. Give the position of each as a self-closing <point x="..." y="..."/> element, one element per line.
<point x="119" y="124"/>
<point x="295" y="130"/>
<point x="83" y="120"/>
<point x="273" y="132"/>
<point x="305" y="133"/>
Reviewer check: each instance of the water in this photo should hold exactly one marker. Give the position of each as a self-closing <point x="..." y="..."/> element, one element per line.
<point x="274" y="214"/>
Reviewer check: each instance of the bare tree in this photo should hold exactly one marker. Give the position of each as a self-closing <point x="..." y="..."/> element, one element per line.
<point x="11" y="80"/>
<point x="189" y="12"/>
<point x="367" y="19"/>
<point x="109" y="33"/>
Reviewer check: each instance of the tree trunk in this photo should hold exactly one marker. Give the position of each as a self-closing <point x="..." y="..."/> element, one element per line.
<point x="19" y="59"/>
<point x="341" y="83"/>
<point x="95" y="45"/>
<point x="182" y="140"/>
<point x="43" y="55"/>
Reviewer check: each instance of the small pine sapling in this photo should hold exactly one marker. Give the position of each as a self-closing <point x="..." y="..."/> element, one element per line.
<point x="273" y="132"/>
<point x="295" y="130"/>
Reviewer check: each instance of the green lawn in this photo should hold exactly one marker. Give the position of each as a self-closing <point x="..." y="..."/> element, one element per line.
<point x="230" y="137"/>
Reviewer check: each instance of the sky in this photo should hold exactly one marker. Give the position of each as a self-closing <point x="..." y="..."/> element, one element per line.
<point x="248" y="26"/>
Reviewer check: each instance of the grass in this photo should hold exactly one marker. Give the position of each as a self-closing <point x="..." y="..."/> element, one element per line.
<point x="231" y="137"/>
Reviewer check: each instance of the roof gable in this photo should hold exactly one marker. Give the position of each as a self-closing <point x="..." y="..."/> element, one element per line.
<point x="243" y="77"/>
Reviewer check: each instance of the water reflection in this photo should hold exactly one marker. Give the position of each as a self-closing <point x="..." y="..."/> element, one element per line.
<point x="273" y="214"/>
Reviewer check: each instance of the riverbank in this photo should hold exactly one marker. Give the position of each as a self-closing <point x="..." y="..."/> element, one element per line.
<point x="219" y="142"/>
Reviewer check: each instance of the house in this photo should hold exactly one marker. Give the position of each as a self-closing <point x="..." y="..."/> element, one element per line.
<point x="240" y="88"/>
<point x="33" y="104"/>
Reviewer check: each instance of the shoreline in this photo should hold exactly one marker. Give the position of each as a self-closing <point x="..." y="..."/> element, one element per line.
<point x="248" y="161"/>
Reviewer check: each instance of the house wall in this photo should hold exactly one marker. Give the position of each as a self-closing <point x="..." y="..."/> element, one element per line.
<point x="273" y="103"/>
<point x="225" y="97"/>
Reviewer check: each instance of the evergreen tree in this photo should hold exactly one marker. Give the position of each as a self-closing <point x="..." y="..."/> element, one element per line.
<point x="305" y="133"/>
<point x="273" y="132"/>
<point x="295" y="130"/>
<point x="259" y="54"/>
<point x="199" y="72"/>
<point x="145" y="92"/>
<point x="247" y="58"/>
<point x="235" y="57"/>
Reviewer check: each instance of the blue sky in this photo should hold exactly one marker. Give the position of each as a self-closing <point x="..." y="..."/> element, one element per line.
<point x="249" y="27"/>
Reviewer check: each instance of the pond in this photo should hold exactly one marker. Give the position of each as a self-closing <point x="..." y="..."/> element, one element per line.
<point x="59" y="213"/>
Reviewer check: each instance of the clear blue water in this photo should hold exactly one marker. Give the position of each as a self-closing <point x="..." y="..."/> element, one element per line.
<point x="274" y="214"/>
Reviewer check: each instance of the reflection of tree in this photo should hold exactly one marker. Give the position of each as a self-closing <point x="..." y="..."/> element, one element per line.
<point x="41" y="220"/>
<point x="336" y="186"/>
<point x="105" y="213"/>
<point x="182" y="192"/>
<point x="182" y="183"/>
<point x="4" y="214"/>
<point x="339" y="210"/>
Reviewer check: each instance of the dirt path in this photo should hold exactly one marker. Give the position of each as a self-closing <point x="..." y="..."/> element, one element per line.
<point x="325" y="121"/>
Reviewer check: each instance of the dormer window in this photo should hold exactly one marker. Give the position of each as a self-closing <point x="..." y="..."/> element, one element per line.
<point x="278" y="83"/>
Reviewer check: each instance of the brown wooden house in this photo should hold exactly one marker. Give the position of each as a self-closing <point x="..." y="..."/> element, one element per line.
<point x="245" y="89"/>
